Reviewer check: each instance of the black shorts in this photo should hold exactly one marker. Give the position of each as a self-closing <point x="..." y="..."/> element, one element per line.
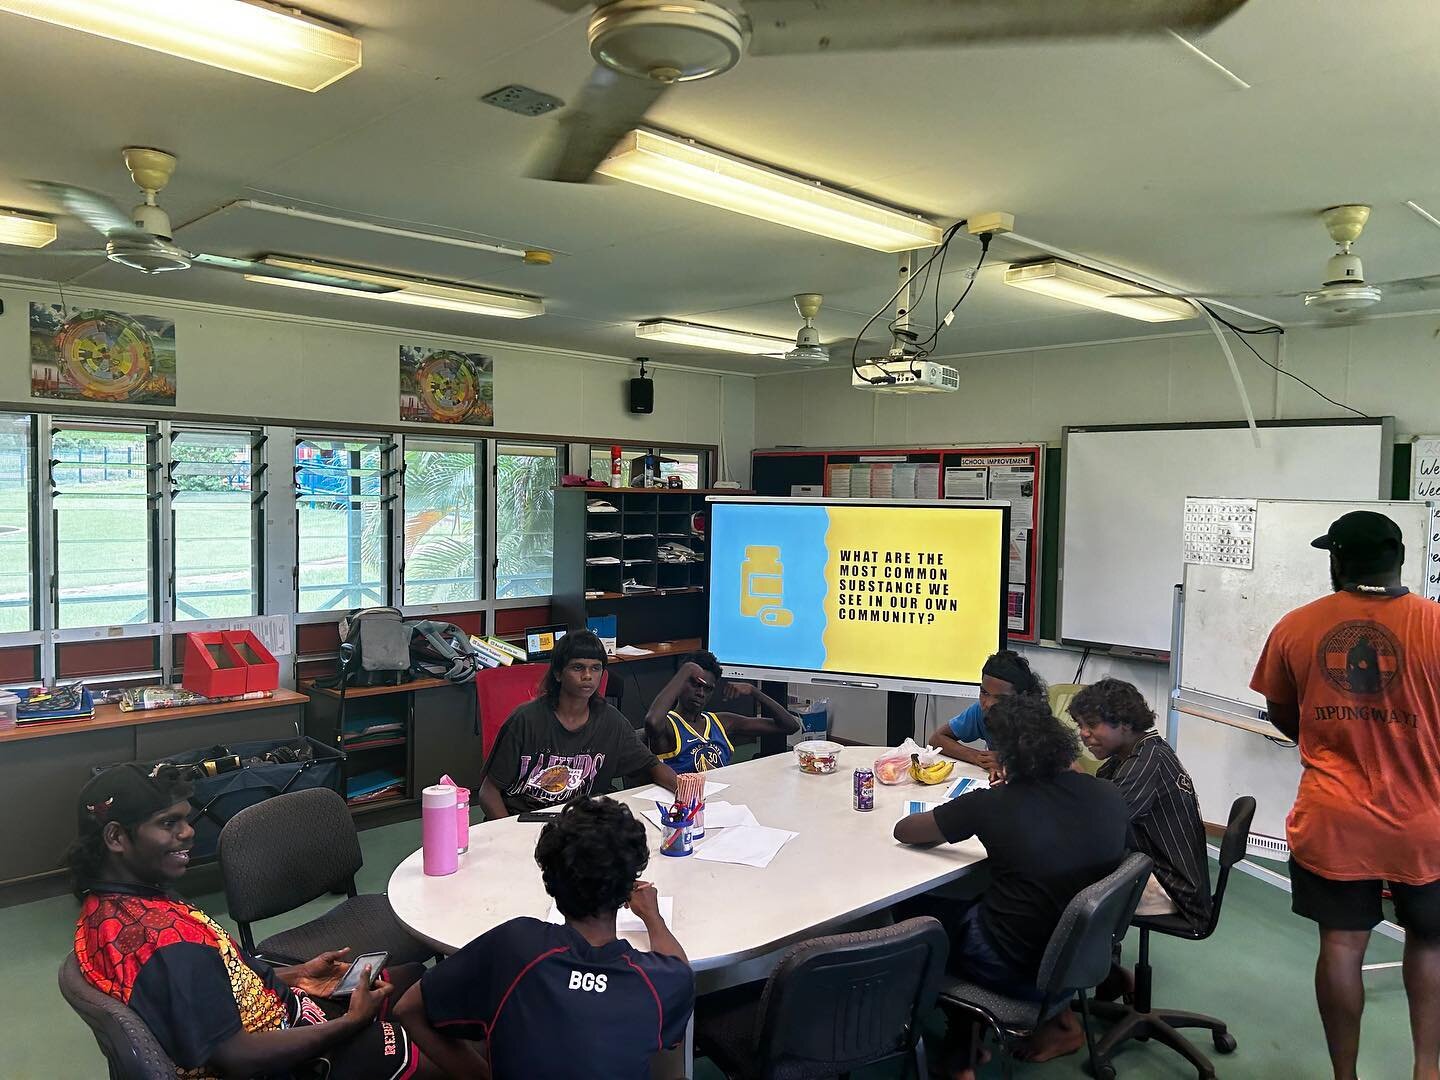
<point x="1355" y="905"/>
<point x="380" y="1051"/>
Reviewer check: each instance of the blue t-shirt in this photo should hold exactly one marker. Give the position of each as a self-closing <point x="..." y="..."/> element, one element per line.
<point x="698" y="751"/>
<point x="548" y="1003"/>
<point x="969" y="726"/>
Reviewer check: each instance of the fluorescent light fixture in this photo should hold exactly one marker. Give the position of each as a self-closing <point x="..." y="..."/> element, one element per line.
<point x="680" y="167"/>
<point x="25" y="230"/>
<point x="711" y="337"/>
<point x="248" y="37"/>
<point x="411" y="291"/>
<point x="1092" y="289"/>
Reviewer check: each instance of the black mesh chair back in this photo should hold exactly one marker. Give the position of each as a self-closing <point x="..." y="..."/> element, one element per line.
<point x="286" y="851"/>
<point x="1232" y="849"/>
<point x="1081" y="948"/>
<point x="130" y="1050"/>
<point x="850" y="999"/>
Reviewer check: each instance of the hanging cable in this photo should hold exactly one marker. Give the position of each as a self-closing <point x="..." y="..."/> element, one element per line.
<point x="855" y="346"/>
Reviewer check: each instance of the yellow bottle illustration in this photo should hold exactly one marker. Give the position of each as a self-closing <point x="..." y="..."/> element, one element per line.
<point x="762" y="591"/>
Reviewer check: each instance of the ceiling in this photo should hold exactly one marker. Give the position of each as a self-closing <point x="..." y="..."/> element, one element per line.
<point x="1138" y="154"/>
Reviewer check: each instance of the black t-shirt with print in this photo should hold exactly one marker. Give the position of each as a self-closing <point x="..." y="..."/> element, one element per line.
<point x="536" y="763"/>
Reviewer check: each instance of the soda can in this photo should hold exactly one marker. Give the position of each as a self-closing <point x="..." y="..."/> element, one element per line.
<point x="864" y="784"/>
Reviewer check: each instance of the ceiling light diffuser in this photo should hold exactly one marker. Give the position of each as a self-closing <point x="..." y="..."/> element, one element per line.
<point x="411" y="291"/>
<point x="680" y="167"/>
<point x="1090" y="288"/>
<point x="248" y="37"/>
<point x="711" y="337"/>
<point x="25" y="230"/>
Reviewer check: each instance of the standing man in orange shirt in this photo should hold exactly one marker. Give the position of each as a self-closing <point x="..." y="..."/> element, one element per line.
<point x="1354" y="678"/>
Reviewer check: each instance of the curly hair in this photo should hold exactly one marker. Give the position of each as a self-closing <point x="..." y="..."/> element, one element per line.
<point x="1115" y="702"/>
<point x="1009" y="666"/>
<point x="706" y="661"/>
<point x="1030" y="743"/>
<point x="590" y="857"/>
<point x="578" y="645"/>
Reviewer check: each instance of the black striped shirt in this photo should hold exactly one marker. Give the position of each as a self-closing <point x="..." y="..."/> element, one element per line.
<point x="1165" y="822"/>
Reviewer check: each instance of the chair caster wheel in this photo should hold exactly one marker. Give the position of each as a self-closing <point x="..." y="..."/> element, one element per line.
<point x="1224" y="1042"/>
<point x="1104" y="1071"/>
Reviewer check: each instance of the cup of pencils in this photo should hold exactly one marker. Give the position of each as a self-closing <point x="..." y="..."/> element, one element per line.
<point x="677" y="840"/>
<point x="691" y="791"/>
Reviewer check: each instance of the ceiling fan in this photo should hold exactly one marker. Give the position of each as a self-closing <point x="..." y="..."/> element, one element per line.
<point x="1344" y="294"/>
<point x="808" y="352"/>
<point x="142" y="238"/>
<point x="644" y="47"/>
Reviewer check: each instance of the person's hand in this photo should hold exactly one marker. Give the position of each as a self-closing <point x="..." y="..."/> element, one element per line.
<point x="320" y="976"/>
<point x="987" y="760"/>
<point x="997" y="775"/>
<point x="365" y="1002"/>
<point x="735" y="690"/>
<point x="645" y="901"/>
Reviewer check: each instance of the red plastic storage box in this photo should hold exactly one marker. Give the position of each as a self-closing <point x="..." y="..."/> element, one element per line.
<point x="213" y="667"/>
<point x="262" y="670"/>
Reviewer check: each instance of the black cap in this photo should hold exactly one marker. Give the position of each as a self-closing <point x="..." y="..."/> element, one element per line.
<point x="1361" y="536"/>
<point x="129" y="794"/>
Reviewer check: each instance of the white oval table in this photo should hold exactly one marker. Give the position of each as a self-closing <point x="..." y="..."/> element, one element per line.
<point x="732" y="920"/>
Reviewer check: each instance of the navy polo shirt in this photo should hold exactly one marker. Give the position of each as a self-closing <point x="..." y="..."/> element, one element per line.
<point x="548" y="1003"/>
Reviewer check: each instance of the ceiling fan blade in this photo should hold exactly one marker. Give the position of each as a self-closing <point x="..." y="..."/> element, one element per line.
<point x="610" y="105"/>
<point x="1409" y="285"/>
<point x="259" y="269"/>
<point x="1151" y="294"/>
<point x="782" y="27"/>
<point x="97" y="211"/>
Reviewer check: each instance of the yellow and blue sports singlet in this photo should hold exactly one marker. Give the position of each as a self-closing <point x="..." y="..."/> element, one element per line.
<point x="698" y="751"/>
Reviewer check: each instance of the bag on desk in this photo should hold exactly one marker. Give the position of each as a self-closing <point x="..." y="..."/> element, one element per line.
<point x="374" y="648"/>
<point x="441" y="650"/>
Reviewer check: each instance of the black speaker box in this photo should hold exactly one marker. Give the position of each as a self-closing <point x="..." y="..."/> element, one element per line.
<point x="642" y="395"/>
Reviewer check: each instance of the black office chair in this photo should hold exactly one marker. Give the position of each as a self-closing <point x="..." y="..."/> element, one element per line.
<point x="1141" y="1020"/>
<point x="130" y="1050"/>
<point x="1077" y="958"/>
<point x="286" y="851"/>
<point x="833" y="1004"/>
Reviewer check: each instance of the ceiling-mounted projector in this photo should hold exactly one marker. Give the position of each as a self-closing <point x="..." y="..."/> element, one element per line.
<point x="900" y="376"/>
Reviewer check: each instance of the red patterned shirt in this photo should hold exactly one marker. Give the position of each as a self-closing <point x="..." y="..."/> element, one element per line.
<point x="181" y="973"/>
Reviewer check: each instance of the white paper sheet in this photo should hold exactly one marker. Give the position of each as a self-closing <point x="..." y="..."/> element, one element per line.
<point x="748" y="845"/>
<point x="718" y="815"/>
<point x="625" y="919"/>
<point x="915" y="806"/>
<point x="654" y="793"/>
<point x="630" y="651"/>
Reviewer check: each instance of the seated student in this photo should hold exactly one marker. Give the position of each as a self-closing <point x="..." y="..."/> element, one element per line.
<point x="568" y="743"/>
<point x="1049" y="831"/>
<point x="1004" y="674"/>
<point x="1119" y="728"/>
<point x="692" y="740"/>
<point x="572" y="1002"/>
<point x="215" y="1010"/>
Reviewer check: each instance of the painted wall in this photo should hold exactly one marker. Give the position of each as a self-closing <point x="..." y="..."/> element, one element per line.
<point x="243" y="363"/>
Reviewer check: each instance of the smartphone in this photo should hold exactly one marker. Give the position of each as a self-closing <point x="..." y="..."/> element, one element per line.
<point x="350" y="981"/>
<point x="537" y="816"/>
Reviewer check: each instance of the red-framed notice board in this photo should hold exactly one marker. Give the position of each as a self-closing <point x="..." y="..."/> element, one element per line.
<point x="1012" y="473"/>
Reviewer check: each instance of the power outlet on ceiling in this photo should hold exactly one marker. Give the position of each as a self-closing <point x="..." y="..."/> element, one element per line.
<point x="522" y="100"/>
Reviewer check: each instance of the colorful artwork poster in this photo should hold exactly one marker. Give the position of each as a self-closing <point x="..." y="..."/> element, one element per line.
<point x="442" y="386"/>
<point x="93" y="354"/>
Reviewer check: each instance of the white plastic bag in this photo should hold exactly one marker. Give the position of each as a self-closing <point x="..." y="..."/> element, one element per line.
<point x="893" y="766"/>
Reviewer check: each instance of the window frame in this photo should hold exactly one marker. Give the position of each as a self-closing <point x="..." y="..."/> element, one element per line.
<point x="484" y="532"/>
<point x="562" y="466"/>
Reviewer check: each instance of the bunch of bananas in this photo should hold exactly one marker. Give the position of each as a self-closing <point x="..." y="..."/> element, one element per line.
<point x="934" y="773"/>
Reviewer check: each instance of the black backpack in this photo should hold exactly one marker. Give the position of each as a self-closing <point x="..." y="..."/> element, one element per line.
<point x="441" y="650"/>
<point x="374" y="648"/>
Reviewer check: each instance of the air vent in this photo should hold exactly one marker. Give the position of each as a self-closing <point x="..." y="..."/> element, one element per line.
<point x="522" y="100"/>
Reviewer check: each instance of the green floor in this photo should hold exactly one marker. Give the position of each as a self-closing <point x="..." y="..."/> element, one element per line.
<point x="1255" y="972"/>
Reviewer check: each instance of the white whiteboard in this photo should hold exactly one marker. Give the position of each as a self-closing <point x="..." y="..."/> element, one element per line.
<point x="1229" y="613"/>
<point x="1124" y="507"/>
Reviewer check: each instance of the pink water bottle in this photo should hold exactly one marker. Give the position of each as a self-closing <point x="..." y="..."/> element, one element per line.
<point x="437" y="830"/>
<point x="462" y="819"/>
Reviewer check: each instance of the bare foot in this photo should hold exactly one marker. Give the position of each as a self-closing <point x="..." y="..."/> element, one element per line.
<point x="1119" y="983"/>
<point x="1058" y="1036"/>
